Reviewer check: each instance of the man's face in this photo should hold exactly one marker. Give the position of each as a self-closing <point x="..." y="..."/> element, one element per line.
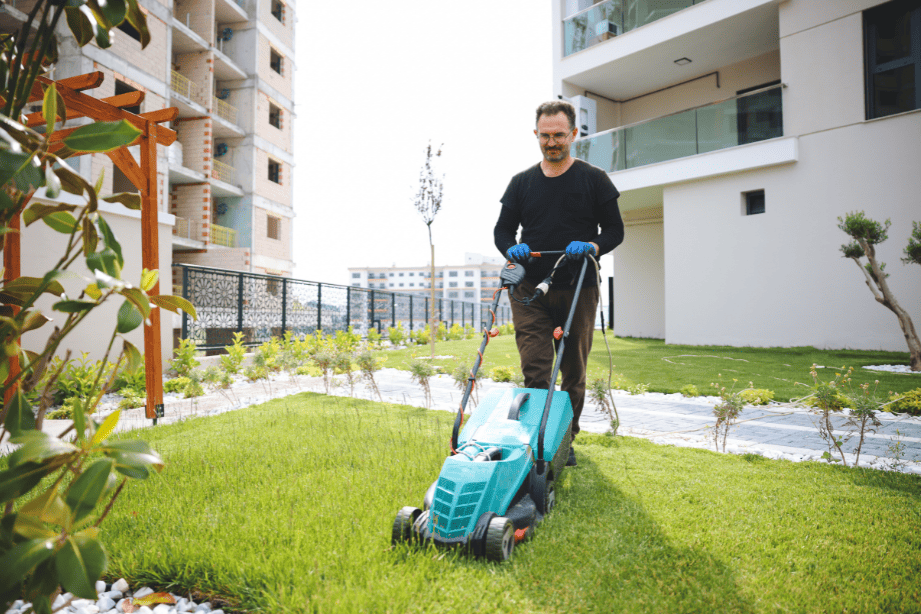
<point x="555" y="136"/>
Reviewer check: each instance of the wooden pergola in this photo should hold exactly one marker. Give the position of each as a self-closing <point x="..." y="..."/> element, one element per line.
<point x="143" y="177"/>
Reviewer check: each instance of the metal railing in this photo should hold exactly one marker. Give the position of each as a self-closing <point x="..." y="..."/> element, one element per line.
<point x="266" y="306"/>
<point x="226" y="237"/>
<point x="749" y="118"/>
<point x="182" y="85"/>
<point x="222" y="172"/>
<point x="605" y="20"/>
<point x="225" y="110"/>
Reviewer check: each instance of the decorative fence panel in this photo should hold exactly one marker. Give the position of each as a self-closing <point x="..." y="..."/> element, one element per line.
<point x="266" y="306"/>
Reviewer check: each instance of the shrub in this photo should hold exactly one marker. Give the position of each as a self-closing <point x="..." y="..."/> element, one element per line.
<point x="64" y="412"/>
<point x="78" y="378"/>
<point x="135" y="379"/>
<point x="757" y="396"/>
<point x="309" y="370"/>
<point x="396" y="334"/>
<point x="726" y="412"/>
<point x="507" y="329"/>
<point x="177" y="384"/>
<point x="268" y="356"/>
<point x="368" y="363"/>
<point x="442" y="332"/>
<point x="347" y="341"/>
<point x="456" y="333"/>
<point x="422" y="336"/>
<point x="600" y="395"/>
<point x="638" y="389"/>
<point x="469" y="331"/>
<point x="907" y="402"/>
<point x="374" y="337"/>
<point x="501" y="374"/>
<point x="421" y="371"/>
<point x="255" y="373"/>
<point x="232" y="361"/>
<point x="184" y="360"/>
<point x="132" y="398"/>
<point x="690" y="390"/>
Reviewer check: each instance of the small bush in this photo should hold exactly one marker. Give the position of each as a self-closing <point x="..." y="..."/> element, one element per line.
<point x="469" y="331"/>
<point x="64" y="412"/>
<point x="374" y="337"/>
<point x="135" y="380"/>
<point x="177" y="384"/>
<point x="77" y="378"/>
<point x="132" y="398"/>
<point x="501" y="374"/>
<point x="456" y="333"/>
<point x="757" y="396"/>
<point x="690" y="390"/>
<point x="232" y="361"/>
<point x="184" y="360"/>
<point x="423" y="336"/>
<point x="507" y="329"/>
<point x="193" y="389"/>
<point x="347" y="341"/>
<point x="442" y="332"/>
<point x="255" y="373"/>
<point x="638" y="389"/>
<point x="396" y="334"/>
<point x="309" y="370"/>
<point x="907" y="403"/>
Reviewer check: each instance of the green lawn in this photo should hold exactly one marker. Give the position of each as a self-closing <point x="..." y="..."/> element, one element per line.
<point x="288" y="506"/>
<point x="669" y="367"/>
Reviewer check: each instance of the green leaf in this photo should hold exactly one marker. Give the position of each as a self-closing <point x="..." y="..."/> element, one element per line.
<point x="90" y="236"/>
<point x="138" y="19"/>
<point x="50" y="108"/>
<point x="62" y="221"/>
<point x="80" y="562"/>
<point x="19" y="416"/>
<point x="52" y="183"/>
<point x="107" y="427"/>
<point x="102" y="175"/>
<point x="33" y="320"/>
<point x="73" y="306"/>
<point x="133" y="354"/>
<point x="105" y="261"/>
<point x="17" y="481"/>
<point x="139" y="299"/>
<point x="36" y="446"/>
<point x="22" y="559"/>
<point x="102" y="136"/>
<point x="133" y="458"/>
<point x="114" y="10"/>
<point x="132" y="200"/>
<point x="149" y="279"/>
<point x="128" y="318"/>
<point x="86" y="491"/>
<point x="22" y="168"/>
<point x="46" y="507"/>
<point x="174" y="304"/>
<point x="32" y="527"/>
<point x="40" y="211"/>
<point x="108" y="238"/>
<point x="71" y="182"/>
<point x="79" y="418"/>
<point x="79" y="24"/>
<point x="102" y="38"/>
<point x="26" y="287"/>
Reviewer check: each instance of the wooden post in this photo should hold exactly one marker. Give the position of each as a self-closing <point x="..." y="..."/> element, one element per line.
<point x="150" y="255"/>
<point x="11" y="271"/>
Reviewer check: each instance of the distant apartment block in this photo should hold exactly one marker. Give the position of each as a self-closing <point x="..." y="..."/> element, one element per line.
<point x="738" y="131"/>
<point x="475" y="281"/>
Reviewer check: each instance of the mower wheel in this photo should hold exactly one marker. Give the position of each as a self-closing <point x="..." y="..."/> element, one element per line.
<point x="543" y="492"/>
<point x="500" y="539"/>
<point x="403" y="525"/>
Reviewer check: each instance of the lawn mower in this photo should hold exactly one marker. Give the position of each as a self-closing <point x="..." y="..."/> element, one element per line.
<point x="497" y="484"/>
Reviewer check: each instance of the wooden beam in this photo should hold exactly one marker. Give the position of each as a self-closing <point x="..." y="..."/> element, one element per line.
<point x="150" y="246"/>
<point x="122" y="100"/>
<point x="162" y="115"/>
<point x="125" y="162"/>
<point x="79" y="83"/>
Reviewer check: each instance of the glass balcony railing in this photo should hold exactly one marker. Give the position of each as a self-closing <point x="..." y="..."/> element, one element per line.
<point x="223" y="236"/>
<point x="749" y="118"/>
<point x="605" y="20"/>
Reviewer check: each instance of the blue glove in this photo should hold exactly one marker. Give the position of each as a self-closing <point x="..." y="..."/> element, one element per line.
<point x="577" y="250"/>
<point x="519" y="253"/>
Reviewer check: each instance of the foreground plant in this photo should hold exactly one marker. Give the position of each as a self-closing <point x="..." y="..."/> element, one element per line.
<point x="422" y="371"/>
<point x="600" y="394"/>
<point x="827" y="400"/>
<point x="726" y="412"/>
<point x="369" y="364"/>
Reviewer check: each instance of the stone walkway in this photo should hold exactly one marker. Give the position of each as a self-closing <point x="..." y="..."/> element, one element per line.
<point x="776" y="431"/>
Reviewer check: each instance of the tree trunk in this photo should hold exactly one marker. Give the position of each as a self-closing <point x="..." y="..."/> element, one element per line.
<point x="432" y="294"/>
<point x="908" y="327"/>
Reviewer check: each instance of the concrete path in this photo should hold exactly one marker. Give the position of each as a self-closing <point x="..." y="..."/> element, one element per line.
<point x="776" y="431"/>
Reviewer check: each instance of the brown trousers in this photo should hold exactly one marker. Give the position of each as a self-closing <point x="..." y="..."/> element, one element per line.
<point x="534" y="326"/>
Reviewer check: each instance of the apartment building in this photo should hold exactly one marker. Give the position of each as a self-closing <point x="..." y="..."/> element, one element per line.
<point x="738" y="131"/>
<point x="475" y="281"/>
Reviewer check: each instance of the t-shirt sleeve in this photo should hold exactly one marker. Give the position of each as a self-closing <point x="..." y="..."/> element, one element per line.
<point x="607" y="213"/>
<point x="506" y="228"/>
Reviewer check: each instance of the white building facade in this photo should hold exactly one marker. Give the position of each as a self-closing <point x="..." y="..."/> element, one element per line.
<point x="737" y="132"/>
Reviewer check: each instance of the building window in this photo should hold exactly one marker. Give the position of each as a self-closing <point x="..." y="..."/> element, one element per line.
<point x="452" y="284"/>
<point x="128" y="29"/>
<point x="356" y="275"/>
<point x="759" y="117"/>
<point x="391" y="274"/>
<point x="275" y="116"/>
<point x="893" y="58"/>
<point x="401" y="274"/>
<point x="452" y="294"/>
<point x="278" y="11"/>
<point x="412" y="274"/>
<point x="468" y="294"/>
<point x="452" y="273"/>
<point x="468" y="273"/>
<point x="273" y="228"/>
<point x="401" y="285"/>
<point x="274" y="171"/>
<point x="123" y="88"/>
<point x="754" y="202"/>
<point x="468" y="284"/>
<point x="356" y="285"/>
<point x="275" y="62"/>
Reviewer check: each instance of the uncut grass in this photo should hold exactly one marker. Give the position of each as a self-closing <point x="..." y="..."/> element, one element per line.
<point x="667" y="368"/>
<point x="288" y="507"/>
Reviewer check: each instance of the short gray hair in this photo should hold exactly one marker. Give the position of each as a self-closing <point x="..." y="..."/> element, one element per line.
<point x="555" y="107"/>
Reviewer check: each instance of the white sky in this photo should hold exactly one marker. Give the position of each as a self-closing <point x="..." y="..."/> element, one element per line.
<point x="375" y="82"/>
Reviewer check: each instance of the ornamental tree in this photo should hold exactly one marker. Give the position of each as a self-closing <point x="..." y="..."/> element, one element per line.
<point x="866" y="233"/>
<point x="427" y="201"/>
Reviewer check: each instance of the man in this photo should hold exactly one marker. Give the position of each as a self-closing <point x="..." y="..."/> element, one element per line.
<point x="559" y="203"/>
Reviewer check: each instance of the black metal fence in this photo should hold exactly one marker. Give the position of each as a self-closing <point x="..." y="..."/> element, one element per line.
<point x="266" y="306"/>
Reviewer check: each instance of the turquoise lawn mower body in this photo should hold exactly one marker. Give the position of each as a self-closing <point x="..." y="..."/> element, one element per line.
<point x="498" y="483"/>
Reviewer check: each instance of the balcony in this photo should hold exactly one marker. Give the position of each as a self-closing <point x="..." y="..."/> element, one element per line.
<point x="226" y="237"/>
<point x="605" y="20"/>
<point x="223" y="172"/>
<point x="749" y="118"/>
<point x="187" y="233"/>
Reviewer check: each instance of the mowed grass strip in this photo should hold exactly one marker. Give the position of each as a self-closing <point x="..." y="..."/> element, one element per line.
<point x="667" y="368"/>
<point x="288" y="507"/>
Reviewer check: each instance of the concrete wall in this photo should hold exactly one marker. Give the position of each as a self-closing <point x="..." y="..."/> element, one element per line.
<point x="639" y="282"/>
<point x="280" y="137"/>
<point x="279" y="192"/>
<point x="281" y="82"/>
<point x="283" y="30"/>
<point x="273" y="248"/>
<point x="153" y="59"/>
<point x="778" y="279"/>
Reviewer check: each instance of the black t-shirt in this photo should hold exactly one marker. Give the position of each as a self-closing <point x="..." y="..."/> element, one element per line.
<point x="554" y="211"/>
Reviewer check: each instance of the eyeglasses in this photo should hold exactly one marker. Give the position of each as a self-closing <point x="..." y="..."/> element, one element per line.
<point x="558" y="137"/>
